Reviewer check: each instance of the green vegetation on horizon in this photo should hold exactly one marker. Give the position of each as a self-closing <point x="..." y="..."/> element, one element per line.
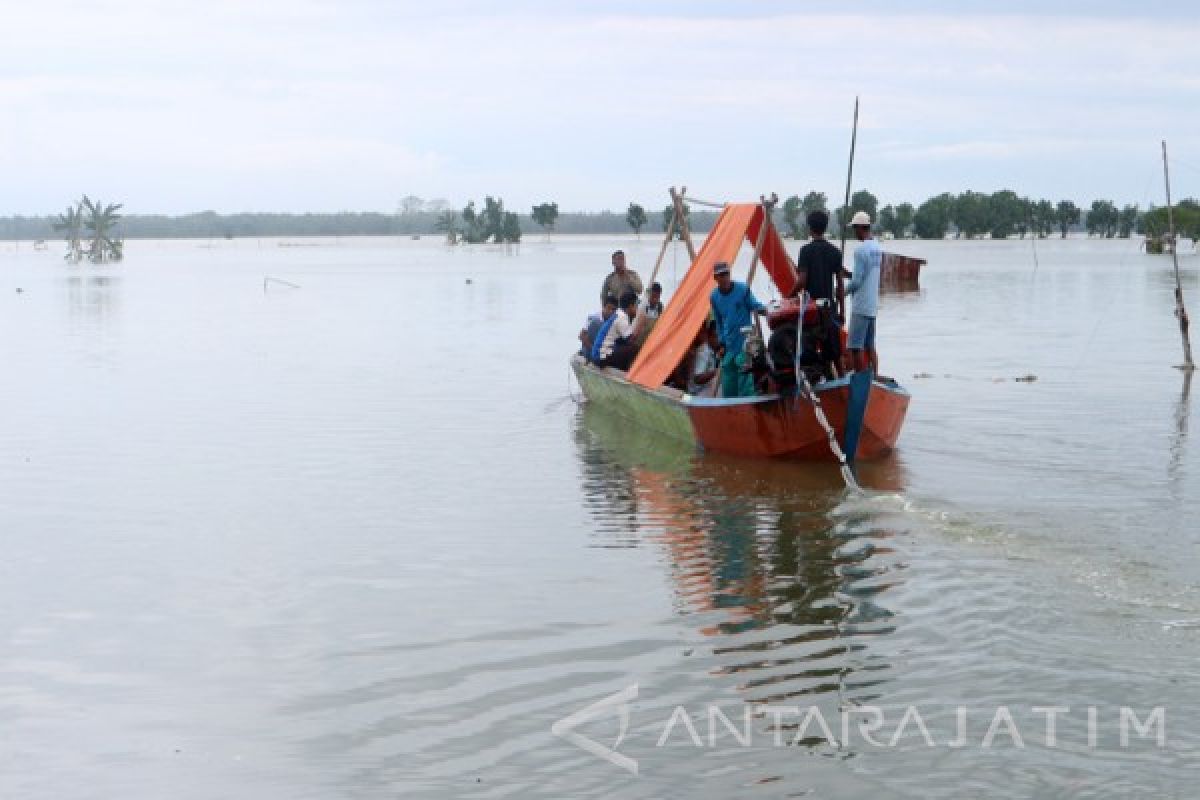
<point x="967" y="215"/>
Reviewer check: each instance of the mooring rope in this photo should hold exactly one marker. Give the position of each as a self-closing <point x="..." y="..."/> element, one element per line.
<point x="819" y="412"/>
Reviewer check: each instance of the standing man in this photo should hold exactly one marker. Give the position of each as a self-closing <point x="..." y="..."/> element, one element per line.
<point x="621" y="279"/>
<point x="864" y="286"/>
<point x="733" y="307"/>
<point x="819" y="265"/>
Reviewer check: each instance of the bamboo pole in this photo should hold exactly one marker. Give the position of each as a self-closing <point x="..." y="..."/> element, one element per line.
<point x="1180" y="309"/>
<point x="666" y="241"/>
<point x="684" y="231"/>
<point x="767" y="206"/>
<point x="707" y="203"/>
<point x="842" y="223"/>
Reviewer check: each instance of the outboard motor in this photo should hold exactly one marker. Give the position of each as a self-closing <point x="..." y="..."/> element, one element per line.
<point x="782" y="349"/>
<point x="814" y="328"/>
<point x="821" y="343"/>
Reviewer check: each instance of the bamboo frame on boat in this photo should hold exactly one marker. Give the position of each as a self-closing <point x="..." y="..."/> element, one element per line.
<point x="684" y="231"/>
<point x="767" y="206"/>
<point x="666" y="241"/>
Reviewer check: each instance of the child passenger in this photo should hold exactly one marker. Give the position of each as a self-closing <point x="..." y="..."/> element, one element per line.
<point x="703" y="380"/>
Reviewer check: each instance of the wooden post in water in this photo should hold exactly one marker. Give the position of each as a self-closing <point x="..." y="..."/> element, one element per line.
<point x="849" y="172"/>
<point x="1180" y="309"/>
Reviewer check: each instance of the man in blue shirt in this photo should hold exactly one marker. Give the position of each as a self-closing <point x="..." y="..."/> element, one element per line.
<point x="595" y="322"/>
<point x="864" y="286"/>
<point x="733" y="305"/>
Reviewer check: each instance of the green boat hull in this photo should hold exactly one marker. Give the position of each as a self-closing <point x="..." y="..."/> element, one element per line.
<point x="661" y="410"/>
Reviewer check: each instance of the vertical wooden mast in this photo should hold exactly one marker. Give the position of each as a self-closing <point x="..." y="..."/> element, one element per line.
<point x="843" y="224"/>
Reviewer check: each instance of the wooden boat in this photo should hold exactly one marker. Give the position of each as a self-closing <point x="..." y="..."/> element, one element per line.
<point x="766" y="426"/>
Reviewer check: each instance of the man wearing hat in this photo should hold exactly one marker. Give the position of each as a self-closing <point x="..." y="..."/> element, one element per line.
<point x="621" y="279"/>
<point x="864" y="286"/>
<point x="733" y="307"/>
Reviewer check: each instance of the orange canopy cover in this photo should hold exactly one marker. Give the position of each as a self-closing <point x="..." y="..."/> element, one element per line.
<point x="683" y="319"/>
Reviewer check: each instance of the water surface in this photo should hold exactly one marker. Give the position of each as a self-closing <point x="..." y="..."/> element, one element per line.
<point x="359" y="539"/>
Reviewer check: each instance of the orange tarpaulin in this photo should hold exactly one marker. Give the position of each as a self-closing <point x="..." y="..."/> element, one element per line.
<point x="675" y="331"/>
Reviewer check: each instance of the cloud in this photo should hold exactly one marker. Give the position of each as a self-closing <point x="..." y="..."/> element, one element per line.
<point x="592" y="106"/>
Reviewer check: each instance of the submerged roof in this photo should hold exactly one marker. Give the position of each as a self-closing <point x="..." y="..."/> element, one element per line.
<point x="684" y="317"/>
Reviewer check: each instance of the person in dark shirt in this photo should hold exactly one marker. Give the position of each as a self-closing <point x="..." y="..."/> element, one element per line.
<point x="820" y="266"/>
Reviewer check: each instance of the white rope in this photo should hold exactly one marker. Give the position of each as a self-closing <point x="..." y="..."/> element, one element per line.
<point x="818" y="411"/>
<point x="674" y="259"/>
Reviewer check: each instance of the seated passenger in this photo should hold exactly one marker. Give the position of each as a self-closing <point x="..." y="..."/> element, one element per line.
<point x="648" y="313"/>
<point x="703" y="380"/>
<point x="587" y="336"/>
<point x="617" y="346"/>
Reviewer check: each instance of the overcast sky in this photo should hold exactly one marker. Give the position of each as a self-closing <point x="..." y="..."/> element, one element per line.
<point x="351" y="104"/>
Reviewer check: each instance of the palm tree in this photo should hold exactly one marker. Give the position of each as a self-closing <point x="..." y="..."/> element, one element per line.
<point x="101" y="220"/>
<point x="71" y="222"/>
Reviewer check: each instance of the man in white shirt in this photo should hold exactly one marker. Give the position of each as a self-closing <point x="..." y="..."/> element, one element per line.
<point x="619" y="346"/>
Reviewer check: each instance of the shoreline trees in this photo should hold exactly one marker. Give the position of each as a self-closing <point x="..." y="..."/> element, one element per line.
<point x="545" y="215"/>
<point x="969" y="214"/>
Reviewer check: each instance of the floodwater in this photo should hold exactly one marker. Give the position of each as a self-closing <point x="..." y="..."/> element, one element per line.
<point x="355" y="537"/>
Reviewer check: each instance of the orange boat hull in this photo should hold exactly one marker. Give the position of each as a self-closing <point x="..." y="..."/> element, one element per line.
<point x="787" y="427"/>
<point x="756" y="427"/>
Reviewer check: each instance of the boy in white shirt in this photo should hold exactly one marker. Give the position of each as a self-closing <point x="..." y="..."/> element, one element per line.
<point x="648" y="313"/>
<point x="619" y="346"/>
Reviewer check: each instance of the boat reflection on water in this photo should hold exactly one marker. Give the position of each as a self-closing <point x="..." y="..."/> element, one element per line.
<point x="782" y="574"/>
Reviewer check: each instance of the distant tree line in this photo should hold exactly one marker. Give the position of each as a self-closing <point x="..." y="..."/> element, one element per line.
<point x="966" y="215"/>
<point x="998" y="215"/>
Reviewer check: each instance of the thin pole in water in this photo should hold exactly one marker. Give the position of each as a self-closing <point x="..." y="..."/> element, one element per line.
<point x="849" y="174"/>
<point x="1033" y="239"/>
<point x="1180" y="309"/>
